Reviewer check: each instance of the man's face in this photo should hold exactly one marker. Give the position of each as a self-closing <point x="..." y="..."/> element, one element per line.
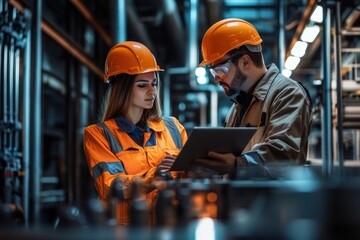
<point x="233" y="80"/>
<point x="236" y="82"/>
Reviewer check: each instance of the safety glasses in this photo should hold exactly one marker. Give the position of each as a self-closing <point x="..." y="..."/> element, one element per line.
<point x="221" y="69"/>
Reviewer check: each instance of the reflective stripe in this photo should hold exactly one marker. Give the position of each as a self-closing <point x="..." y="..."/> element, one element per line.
<point x="114" y="143"/>
<point x="116" y="147"/>
<point x="112" y="168"/>
<point x="174" y="131"/>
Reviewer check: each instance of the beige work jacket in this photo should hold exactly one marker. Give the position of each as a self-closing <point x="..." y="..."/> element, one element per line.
<point x="281" y="110"/>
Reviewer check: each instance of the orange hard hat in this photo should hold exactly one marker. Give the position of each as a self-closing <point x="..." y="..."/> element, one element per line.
<point x="131" y="58"/>
<point x="226" y="35"/>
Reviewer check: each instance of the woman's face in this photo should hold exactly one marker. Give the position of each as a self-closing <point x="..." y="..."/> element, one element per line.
<point x="144" y="91"/>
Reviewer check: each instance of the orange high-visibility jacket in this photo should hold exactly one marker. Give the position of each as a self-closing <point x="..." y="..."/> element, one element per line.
<point x="131" y="160"/>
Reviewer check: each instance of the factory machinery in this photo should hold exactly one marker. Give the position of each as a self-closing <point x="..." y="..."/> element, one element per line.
<point x="277" y="202"/>
<point x="280" y="202"/>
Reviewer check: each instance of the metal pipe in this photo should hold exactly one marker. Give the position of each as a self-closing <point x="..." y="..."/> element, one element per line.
<point x="326" y="119"/>
<point x="69" y="46"/>
<point x="10" y="82"/>
<point x="338" y="60"/>
<point x="281" y="42"/>
<point x="16" y="125"/>
<point x="172" y="22"/>
<point x="2" y="64"/>
<point x="16" y="74"/>
<point x="81" y="7"/>
<point x="119" y="20"/>
<point x="65" y="42"/>
<point x="35" y="111"/>
<point x="191" y="17"/>
<point x="214" y="105"/>
<point x="4" y="75"/>
<point x="137" y="27"/>
<point x="193" y="56"/>
<point x="26" y="123"/>
<point x="191" y="64"/>
<point x="167" y="89"/>
<point x="4" y="147"/>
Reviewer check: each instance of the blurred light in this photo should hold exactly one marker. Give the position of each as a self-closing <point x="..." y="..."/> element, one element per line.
<point x="317" y="15"/>
<point x="309" y="34"/>
<point x="211" y="197"/>
<point x="202" y="98"/>
<point x="205" y="229"/>
<point x="292" y="62"/>
<point x="200" y="72"/>
<point x="202" y="80"/>
<point x="286" y="72"/>
<point x="299" y="49"/>
<point x="181" y="106"/>
<point x="317" y="82"/>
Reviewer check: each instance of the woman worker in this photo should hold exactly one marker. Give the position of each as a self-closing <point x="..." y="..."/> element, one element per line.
<point x="133" y="140"/>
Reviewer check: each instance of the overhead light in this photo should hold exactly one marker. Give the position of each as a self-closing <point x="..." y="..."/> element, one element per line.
<point x="205" y="229"/>
<point x="309" y="34"/>
<point x="292" y="62"/>
<point x="317" y="15"/>
<point x="317" y="82"/>
<point x="286" y="72"/>
<point x="200" y="72"/>
<point x="299" y="49"/>
<point x="202" y="80"/>
<point x="201" y="77"/>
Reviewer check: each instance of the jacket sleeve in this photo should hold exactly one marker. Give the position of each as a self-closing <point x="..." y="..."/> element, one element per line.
<point x="285" y="135"/>
<point x="104" y="166"/>
<point x="184" y="138"/>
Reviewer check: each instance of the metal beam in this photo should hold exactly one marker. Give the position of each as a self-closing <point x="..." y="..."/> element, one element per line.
<point x="80" y="6"/>
<point x="35" y="111"/>
<point x="326" y="118"/>
<point x="65" y="43"/>
<point x="301" y="25"/>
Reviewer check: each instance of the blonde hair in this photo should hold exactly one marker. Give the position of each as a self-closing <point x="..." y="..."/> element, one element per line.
<point x="118" y="96"/>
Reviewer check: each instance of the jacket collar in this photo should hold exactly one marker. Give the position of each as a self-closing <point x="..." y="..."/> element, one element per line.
<point x="126" y="126"/>
<point x="263" y="84"/>
<point x="263" y="87"/>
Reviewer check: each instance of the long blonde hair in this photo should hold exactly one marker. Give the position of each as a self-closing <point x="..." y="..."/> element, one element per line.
<point x="118" y="96"/>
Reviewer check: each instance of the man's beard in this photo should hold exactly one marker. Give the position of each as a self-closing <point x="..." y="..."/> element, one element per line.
<point x="236" y="83"/>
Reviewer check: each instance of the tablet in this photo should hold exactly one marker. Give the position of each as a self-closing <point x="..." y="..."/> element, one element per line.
<point x="218" y="139"/>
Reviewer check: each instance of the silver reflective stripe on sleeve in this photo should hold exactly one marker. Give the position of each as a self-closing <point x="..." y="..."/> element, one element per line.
<point x="174" y="131"/>
<point x="112" y="168"/>
<point x="114" y="143"/>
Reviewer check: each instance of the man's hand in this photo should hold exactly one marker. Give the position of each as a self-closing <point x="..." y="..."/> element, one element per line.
<point x="220" y="162"/>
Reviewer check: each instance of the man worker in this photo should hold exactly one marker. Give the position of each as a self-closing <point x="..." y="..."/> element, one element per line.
<point x="279" y="107"/>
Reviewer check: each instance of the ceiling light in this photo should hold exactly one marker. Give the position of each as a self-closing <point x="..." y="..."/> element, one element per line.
<point x="292" y="62"/>
<point x="202" y="80"/>
<point x="299" y="49"/>
<point x="310" y="32"/>
<point x="286" y="72"/>
<point x="317" y="82"/>
<point x="317" y="15"/>
<point x="200" y="72"/>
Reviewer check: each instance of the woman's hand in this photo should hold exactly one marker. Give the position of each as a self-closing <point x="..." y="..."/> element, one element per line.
<point x="166" y="164"/>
